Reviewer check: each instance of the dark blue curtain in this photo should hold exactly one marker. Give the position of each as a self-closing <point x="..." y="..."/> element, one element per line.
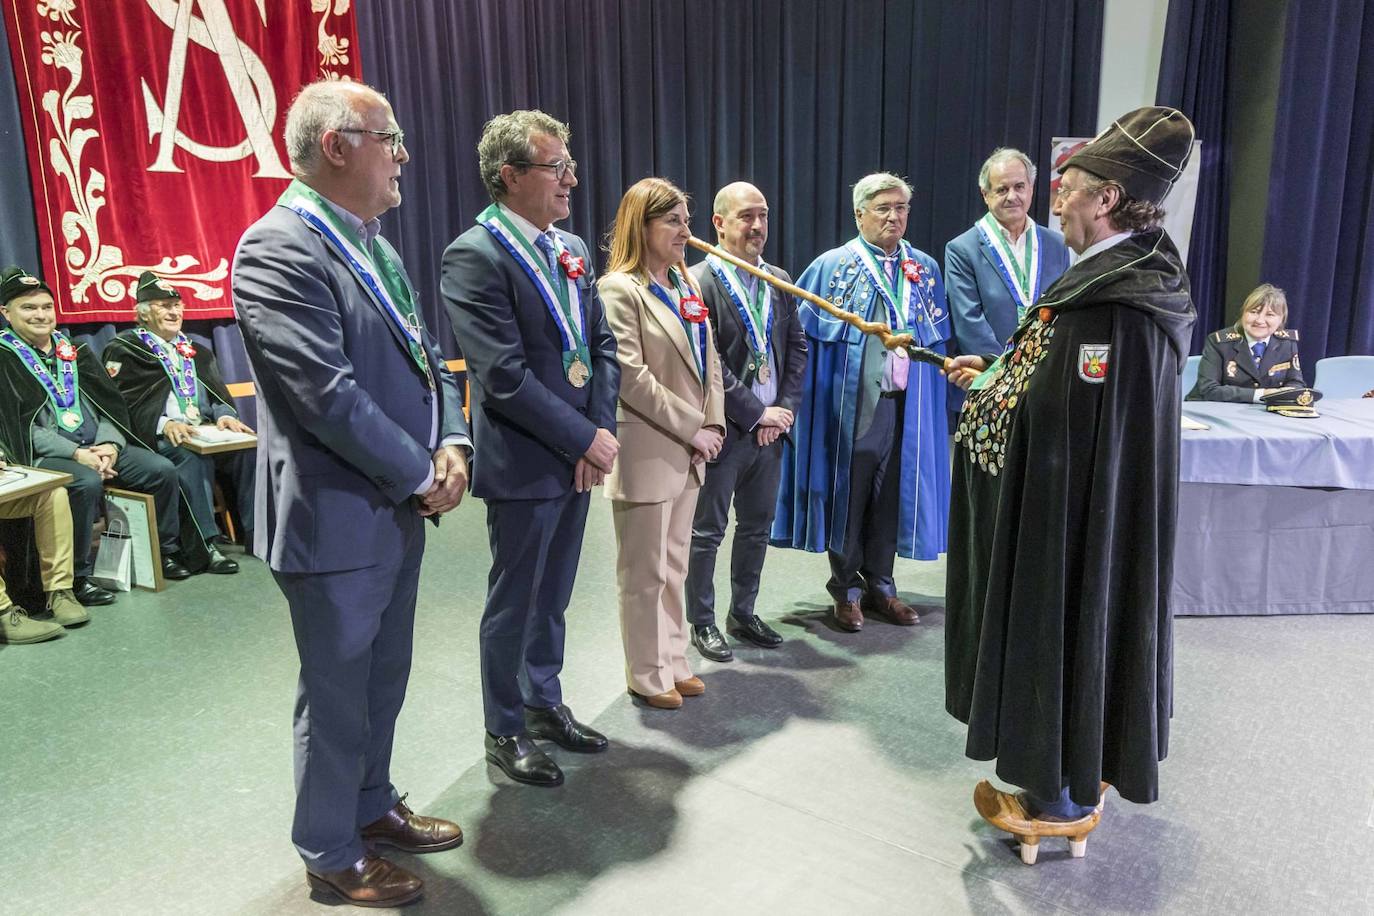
<point x="19" y="238"/>
<point x="1319" y="237"/>
<point x="801" y="97"/>
<point x="1193" y="79"/>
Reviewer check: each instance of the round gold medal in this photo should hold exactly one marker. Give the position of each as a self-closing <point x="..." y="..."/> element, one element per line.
<point x="578" y="373"/>
<point x="764" y="373"/>
<point x="69" y="419"/>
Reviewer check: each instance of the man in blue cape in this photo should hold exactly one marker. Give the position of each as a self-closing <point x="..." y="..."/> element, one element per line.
<point x="866" y="474"/>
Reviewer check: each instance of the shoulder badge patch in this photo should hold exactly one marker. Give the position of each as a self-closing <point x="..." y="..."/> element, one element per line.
<point x="1288" y="333"/>
<point x="1092" y="362"/>
<point x="1231" y="368"/>
<point x="1232" y="335"/>
<point x="113" y="368"/>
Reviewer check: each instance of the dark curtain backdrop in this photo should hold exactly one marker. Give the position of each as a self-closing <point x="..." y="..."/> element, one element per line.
<point x="19" y="238"/>
<point x="801" y="97"/>
<point x="1193" y="79"/>
<point x="1319" y="240"/>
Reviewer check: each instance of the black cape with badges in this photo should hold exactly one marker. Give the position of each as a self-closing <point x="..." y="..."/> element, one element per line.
<point x="22" y="396"/>
<point x="1058" y="635"/>
<point x="145" y="385"/>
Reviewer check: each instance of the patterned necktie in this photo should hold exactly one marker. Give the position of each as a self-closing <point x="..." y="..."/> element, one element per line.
<point x="1258" y="350"/>
<point x="541" y="241"/>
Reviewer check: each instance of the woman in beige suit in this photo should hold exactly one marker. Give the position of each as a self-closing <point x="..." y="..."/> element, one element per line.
<point x="670" y="422"/>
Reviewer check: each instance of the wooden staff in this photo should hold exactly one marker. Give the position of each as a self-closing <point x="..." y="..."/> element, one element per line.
<point x="882" y="331"/>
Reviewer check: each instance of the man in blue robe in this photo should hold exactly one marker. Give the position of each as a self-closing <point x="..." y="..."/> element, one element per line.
<point x="866" y="474"/>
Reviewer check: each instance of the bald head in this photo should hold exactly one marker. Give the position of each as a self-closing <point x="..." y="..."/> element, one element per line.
<point x="740" y="215"/>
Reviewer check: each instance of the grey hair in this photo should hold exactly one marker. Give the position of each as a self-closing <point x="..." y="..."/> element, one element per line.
<point x="1000" y="155"/>
<point x="321" y="106"/>
<point x="870" y="186"/>
<point x="509" y="138"/>
<point x="143" y="312"/>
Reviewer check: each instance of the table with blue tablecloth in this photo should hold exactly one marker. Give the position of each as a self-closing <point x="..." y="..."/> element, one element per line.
<point x="1276" y="514"/>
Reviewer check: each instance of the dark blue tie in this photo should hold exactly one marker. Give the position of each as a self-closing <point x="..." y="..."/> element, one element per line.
<point x="541" y="241"/>
<point x="1258" y="350"/>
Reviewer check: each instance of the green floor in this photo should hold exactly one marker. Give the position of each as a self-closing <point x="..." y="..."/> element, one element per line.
<point x="146" y="765"/>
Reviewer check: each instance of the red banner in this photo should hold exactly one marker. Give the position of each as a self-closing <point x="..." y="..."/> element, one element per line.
<point x="154" y="132"/>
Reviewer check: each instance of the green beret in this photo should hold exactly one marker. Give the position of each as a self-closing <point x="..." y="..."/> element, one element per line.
<point x="151" y="287"/>
<point x="1143" y="151"/>
<point x="16" y="281"/>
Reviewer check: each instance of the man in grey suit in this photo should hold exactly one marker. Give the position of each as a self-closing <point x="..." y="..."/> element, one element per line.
<point x="361" y="436"/>
<point x="763" y="361"/>
<point x="544" y="375"/>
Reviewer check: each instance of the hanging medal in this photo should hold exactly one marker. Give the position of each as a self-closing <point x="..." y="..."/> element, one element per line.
<point x="63" y="384"/>
<point x="558" y="289"/>
<point x="180" y="369"/>
<point x="689" y="303"/>
<point x="756" y="314"/>
<point x="390" y="290"/>
<point x="1022" y="279"/>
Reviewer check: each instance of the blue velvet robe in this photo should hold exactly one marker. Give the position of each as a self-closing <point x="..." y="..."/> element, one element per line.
<point x="813" y="497"/>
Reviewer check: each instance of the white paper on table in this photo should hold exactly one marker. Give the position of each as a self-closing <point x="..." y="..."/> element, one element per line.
<point x="213" y="435"/>
<point x="1190" y="423"/>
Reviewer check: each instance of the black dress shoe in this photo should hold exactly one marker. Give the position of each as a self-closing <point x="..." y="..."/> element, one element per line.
<point x="220" y="565"/>
<point x="711" y="644"/>
<point x="172" y="567"/>
<point x="91" y="595"/>
<point x="753" y="629"/>
<point x="522" y="760"/>
<point x="557" y="724"/>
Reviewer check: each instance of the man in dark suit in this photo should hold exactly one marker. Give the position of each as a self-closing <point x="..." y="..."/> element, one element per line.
<point x="541" y="360"/>
<point x="763" y="360"/>
<point x="361" y="436"/>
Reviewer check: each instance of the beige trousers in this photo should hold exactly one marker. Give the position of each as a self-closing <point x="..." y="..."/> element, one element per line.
<point x="651" y="568"/>
<point x="52" y="531"/>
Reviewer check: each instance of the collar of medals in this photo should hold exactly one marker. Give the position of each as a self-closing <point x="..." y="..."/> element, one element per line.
<point x="986" y="417"/>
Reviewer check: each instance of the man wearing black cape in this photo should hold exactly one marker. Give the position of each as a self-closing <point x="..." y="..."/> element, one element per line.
<point x="59" y="411"/>
<point x="173" y="388"/>
<point x="1058" y="635"/>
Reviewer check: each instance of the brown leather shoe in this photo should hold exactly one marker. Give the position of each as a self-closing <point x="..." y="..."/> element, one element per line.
<point x="670" y="700"/>
<point x="403" y="829"/>
<point x="893" y="608"/>
<point x="370" y="881"/>
<point x="692" y="687"/>
<point x="848" y="616"/>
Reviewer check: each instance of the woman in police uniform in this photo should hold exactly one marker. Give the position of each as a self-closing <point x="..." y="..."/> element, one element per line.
<point x="1252" y="358"/>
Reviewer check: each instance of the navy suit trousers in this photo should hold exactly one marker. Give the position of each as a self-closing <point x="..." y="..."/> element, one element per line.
<point x="535" y="545"/>
<point x="875" y="483"/>
<point x="354" y="631"/>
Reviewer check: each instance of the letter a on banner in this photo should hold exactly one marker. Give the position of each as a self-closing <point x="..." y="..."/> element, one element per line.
<point x="249" y="83"/>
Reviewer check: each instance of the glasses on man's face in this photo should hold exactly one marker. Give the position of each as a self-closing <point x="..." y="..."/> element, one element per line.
<point x="886" y="210"/>
<point x="396" y="138"/>
<point x="1063" y="191"/>
<point x="560" y="167"/>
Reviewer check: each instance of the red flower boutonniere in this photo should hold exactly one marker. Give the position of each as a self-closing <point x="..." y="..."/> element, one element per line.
<point x="912" y="270"/>
<point x="65" y="351"/>
<point x="185" y="349"/>
<point x="692" y="309"/>
<point x="573" y="267"/>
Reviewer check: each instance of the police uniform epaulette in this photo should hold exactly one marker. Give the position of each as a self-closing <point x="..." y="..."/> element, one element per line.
<point x="1290" y="333"/>
<point x="1220" y="336"/>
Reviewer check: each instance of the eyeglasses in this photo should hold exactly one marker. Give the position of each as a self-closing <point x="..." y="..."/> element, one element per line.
<point x="560" y="167"/>
<point x="885" y="209"/>
<point x="1064" y="191"/>
<point x="396" y="138"/>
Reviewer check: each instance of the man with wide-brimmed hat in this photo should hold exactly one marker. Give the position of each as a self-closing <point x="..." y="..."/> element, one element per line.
<point x="174" y="388"/>
<point x="61" y="412"/>
<point x="1058" y="631"/>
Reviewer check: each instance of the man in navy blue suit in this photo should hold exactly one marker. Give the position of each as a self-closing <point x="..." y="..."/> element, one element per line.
<point x="996" y="270"/>
<point x="541" y="360"/>
<point x="361" y="436"/>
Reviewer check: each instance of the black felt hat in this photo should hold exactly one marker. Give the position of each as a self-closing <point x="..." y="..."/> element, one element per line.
<point x="15" y="281"/>
<point x="1144" y="151"/>
<point x="1292" y="402"/>
<point x="152" y="288"/>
